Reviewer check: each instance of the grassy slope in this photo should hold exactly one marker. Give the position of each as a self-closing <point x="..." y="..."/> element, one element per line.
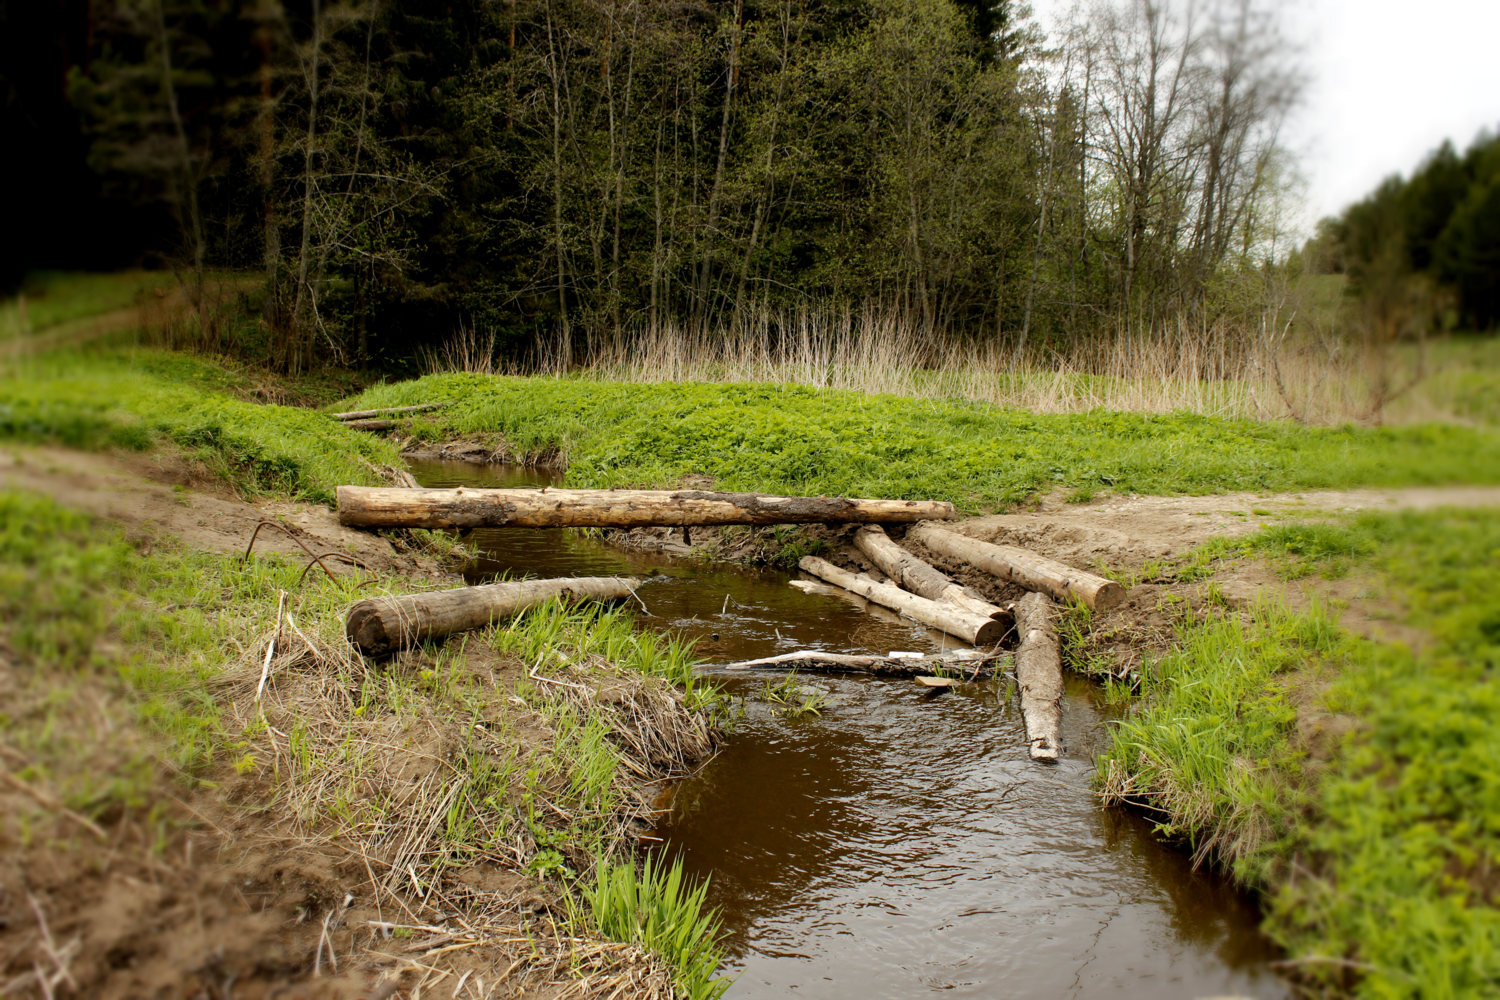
<point x="1382" y="862"/>
<point x="795" y="439"/>
<point x="138" y="399"/>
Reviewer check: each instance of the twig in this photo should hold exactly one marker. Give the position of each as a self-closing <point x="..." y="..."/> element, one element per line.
<point x="288" y="532"/>
<point x="265" y="668"/>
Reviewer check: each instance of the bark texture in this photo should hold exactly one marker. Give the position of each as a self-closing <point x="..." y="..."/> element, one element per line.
<point x="378" y="411"/>
<point x="817" y="661"/>
<point x="1039" y="671"/>
<point x="382" y="624"/>
<point x="380" y="507"/>
<point x="1058" y="580"/>
<point x="977" y="630"/>
<point x="918" y="577"/>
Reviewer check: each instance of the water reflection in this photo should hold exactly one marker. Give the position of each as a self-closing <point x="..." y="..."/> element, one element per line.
<point x="904" y="842"/>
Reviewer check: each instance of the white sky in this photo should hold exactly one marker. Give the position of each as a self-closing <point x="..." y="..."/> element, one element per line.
<point x="1391" y="79"/>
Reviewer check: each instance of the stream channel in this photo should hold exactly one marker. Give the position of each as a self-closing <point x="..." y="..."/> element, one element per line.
<point x="902" y="842"/>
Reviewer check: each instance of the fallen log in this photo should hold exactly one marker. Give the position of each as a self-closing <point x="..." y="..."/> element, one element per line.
<point x="1039" y="671"/>
<point x="1058" y="580"/>
<point x="815" y="660"/>
<point x="372" y="425"/>
<point x="382" y="624"/>
<point x="977" y="630"/>
<point x="908" y="571"/>
<point x="367" y="414"/>
<point x="466" y="507"/>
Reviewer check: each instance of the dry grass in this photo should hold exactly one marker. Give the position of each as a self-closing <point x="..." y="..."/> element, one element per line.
<point x="1269" y="368"/>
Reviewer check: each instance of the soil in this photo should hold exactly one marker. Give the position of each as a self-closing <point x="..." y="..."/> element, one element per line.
<point x="237" y="882"/>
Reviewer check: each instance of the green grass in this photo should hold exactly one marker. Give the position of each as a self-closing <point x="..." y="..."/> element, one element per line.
<point x="660" y="909"/>
<point x="1380" y="863"/>
<point x="55" y="297"/>
<point x="138" y="400"/>
<point x="795" y="439"/>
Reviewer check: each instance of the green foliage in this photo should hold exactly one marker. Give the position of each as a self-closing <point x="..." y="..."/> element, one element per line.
<point x="801" y="440"/>
<point x="794" y="700"/>
<point x="134" y="401"/>
<point x="660" y="909"/>
<point x="1395" y="836"/>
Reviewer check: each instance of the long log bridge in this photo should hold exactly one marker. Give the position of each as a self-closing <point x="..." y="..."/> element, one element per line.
<point x="915" y="588"/>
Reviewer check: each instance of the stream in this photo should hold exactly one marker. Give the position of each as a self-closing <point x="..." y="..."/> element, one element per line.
<point x="903" y="841"/>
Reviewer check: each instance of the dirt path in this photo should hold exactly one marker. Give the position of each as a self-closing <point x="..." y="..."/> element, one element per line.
<point x="163" y="495"/>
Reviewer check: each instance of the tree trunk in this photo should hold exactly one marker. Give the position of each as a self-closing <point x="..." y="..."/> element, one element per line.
<point x="908" y="571"/>
<point x="378" y="411"/>
<point x="1019" y="566"/>
<point x="382" y="624"/>
<point x="1039" y="670"/>
<point x="379" y="507"/>
<point x="817" y="661"/>
<point x="977" y="630"/>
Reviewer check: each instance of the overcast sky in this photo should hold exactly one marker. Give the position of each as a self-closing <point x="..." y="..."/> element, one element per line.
<point x="1390" y="81"/>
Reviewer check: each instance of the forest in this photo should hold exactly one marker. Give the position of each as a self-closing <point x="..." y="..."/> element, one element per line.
<point x="560" y="178"/>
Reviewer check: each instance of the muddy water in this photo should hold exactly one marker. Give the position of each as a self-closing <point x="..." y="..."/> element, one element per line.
<point x="903" y="842"/>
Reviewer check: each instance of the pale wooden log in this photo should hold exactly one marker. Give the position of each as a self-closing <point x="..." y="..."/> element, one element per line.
<point x="466" y="507"/>
<point x="977" y="630"/>
<point x="1034" y="572"/>
<point x="381" y="624"/>
<point x="908" y="571"/>
<point x="367" y="414"/>
<point x="1039" y="671"/>
<point x="817" y="661"/>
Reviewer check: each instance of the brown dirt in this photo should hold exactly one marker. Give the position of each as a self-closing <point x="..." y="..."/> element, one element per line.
<point x="163" y="494"/>
<point x="243" y="880"/>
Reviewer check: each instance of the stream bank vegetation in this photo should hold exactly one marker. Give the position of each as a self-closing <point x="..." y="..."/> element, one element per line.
<point x="1347" y="777"/>
<point x="203" y="781"/>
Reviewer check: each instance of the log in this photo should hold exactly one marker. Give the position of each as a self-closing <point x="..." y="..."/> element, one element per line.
<point x="908" y="571"/>
<point x="815" y="660"/>
<point x="367" y="414"/>
<point x="1033" y="572"/>
<point x="466" y="507"/>
<point x="1039" y="671"/>
<point x="382" y="624"/>
<point x="977" y="630"/>
<point x="372" y="425"/>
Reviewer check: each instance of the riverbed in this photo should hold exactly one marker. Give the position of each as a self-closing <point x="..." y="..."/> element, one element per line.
<point x="903" y="841"/>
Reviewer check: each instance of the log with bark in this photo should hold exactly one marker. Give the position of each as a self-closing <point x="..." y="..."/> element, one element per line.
<point x="466" y="507"/>
<point x="367" y="414"/>
<point x="908" y="571"/>
<point x="1039" y="671"/>
<point x="372" y="425"/>
<point x="816" y="661"/>
<point x="977" y="630"/>
<point x="382" y="624"/>
<point x="1033" y="572"/>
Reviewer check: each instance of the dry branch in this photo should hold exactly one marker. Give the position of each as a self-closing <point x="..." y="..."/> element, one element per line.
<point x="379" y="410"/>
<point x="464" y="507"/>
<point x="978" y="630"/>
<point x="817" y="661"/>
<point x="908" y="571"/>
<point x="1034" y="572"/>
<point x="1039" y="671"/>
<point x="381" y="624"/>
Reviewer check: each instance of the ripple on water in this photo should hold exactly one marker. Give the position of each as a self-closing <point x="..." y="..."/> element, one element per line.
<point x="904" y="842"/>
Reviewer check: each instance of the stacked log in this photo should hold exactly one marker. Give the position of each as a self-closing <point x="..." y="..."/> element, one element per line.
<point x="1031" y="571"/>
<point x="975" y="629"/>
<point x="917" y="576"/>
<point x="382" y="624"/>
<point x="1039" y="672"/>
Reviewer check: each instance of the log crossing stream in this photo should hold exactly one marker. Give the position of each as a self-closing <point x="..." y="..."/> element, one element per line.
<point x="904" y="841"/>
